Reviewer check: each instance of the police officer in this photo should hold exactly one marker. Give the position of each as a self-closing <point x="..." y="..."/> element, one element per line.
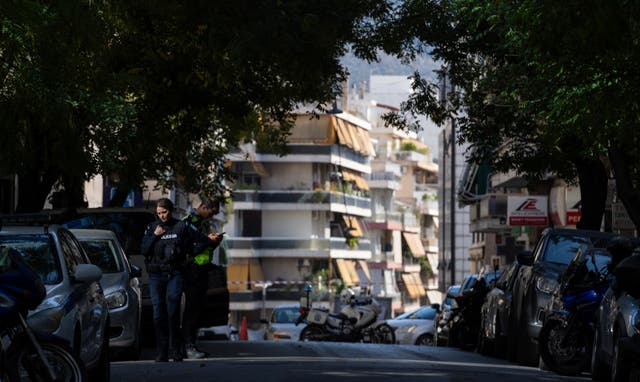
<point x="197" y="273"/>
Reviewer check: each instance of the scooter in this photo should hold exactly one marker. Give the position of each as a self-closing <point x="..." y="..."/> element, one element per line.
<point x="26" y="354"/>
<point x="356" y="322"/>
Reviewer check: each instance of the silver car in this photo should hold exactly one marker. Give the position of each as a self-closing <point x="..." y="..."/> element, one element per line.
<point x="121" y="288"/>
<point x="416" y="327"/>
<point x="281" y="326"/>
<point x="75" y="308"/>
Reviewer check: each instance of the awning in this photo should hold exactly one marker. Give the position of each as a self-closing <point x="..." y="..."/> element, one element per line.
<point x="353" y="136"/>
<point x="352" y="222"/>
<point x="353" y="274"/>
<point x="343" y="269"/>
<point x="409" y="284"/>
<point x="414" y="285"/>
<point x="428" y="166"/>
<point x="360" y="182"/>
<point x="434" y="261"/>
<point x="414" y="243"/>
<point x="364" y="269"/>
<point x="255" y="270"/>
<point x="237" y="277"/>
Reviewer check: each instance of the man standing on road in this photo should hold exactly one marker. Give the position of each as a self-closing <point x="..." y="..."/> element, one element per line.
<point x="197" y="273"/>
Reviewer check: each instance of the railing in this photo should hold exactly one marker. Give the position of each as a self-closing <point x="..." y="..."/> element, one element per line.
<point x="256" y="243"/>
<point x="301" y="197"/>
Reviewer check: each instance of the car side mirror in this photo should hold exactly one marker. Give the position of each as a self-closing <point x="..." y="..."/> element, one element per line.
<point x="87" y="273"/>
<point x="525" y="258"/>
<point x="136" y="271"/>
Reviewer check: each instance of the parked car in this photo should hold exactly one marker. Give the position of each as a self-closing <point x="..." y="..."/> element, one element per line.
<point x="616" y="343"/>
<point x="121" y="288"/>
<point x="129" y="225"/>
<point x="496" y="314"/>
<point x="416" y="327"/>
<point x="75" y="308"/>
<point x="442" y="327"/>
<point x="281" y="325"/>
<point x="536" y="281"/>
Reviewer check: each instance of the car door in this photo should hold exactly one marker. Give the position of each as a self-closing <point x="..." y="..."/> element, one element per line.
<point x="89" y="301"/>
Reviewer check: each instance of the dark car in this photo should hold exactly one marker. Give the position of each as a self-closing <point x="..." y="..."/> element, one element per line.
<point x="75" y="308"/>
<point x="537" y="279"/>
<point x="496" y="313"/>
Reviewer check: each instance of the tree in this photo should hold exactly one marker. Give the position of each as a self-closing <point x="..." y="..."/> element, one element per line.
<point x="553" y="81"/>
<point x="162" y="90"/>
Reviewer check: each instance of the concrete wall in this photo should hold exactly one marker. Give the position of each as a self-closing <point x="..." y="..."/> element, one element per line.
<point x="286" y="223"/>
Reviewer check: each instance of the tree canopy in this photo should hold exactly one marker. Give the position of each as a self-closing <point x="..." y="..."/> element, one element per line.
<point x="161" y="90"/>
<point x="540" y="86"/>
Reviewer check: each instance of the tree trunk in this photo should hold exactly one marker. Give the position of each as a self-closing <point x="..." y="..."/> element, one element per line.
<point x="593" y="179"/>
<point x="33" y="190"/>
<point x="627" y="193"/>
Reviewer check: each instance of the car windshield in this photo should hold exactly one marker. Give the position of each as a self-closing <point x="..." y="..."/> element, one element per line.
<point x="285" y="315"/>
<point x="103" y="253"/>
<point x="563" y="248"/>
<point x="425" y="313"/>
<point x="453" y="290"/>
<point x="37" y="251"/>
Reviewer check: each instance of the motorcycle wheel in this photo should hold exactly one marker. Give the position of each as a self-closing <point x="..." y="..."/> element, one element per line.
<point x="311" y="333"/>
<point x="384" y="335"/>
<point x="25" y="365"/>
<point x="570" y="358"/>
<point x="620" y="366"/>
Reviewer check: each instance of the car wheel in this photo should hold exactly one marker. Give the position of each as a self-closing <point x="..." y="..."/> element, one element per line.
<point x="599" y="370"/>
<point x="102" y="371"/>
<point x="425" y="340"/>
<point x="620" y="370"/>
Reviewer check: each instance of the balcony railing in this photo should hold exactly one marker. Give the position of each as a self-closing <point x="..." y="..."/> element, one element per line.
<point x="257" y="243"/>
<point x="301" y="197"/>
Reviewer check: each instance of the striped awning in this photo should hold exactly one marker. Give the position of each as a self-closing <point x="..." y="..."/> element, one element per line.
<point x="414" y="243"/>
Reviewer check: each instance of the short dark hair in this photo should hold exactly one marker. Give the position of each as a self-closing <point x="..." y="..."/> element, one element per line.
<point x="210" y="203"/>
<point x="165" y="203"/>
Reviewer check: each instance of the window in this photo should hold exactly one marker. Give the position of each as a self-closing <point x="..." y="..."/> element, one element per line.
<point x="103" y="254"/>
<point x="251" y="221"/>
<point x="71" y="251"/>
<point x="39" y="252"/>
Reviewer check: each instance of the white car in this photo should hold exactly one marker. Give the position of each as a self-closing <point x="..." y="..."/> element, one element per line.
<point x="416" y="327"/>
<point x="281" y="326"/>
<point x="120" y="281"/>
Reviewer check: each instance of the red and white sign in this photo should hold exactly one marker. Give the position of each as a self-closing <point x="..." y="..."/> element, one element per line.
<point x="527" y="210"/>
<point x="573" y="217"/>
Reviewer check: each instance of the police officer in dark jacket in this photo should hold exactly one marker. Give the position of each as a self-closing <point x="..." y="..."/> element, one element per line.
<point x="196" y="278"/>
<point x="165" y="246"/>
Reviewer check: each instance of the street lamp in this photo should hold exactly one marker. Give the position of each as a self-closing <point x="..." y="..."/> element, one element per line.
<point x="264" y="286"/>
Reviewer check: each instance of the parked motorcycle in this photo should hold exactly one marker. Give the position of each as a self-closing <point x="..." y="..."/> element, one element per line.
<point x="27" y="355"/>
<point x="566" y="337"/>
<point x="356" y="322"/>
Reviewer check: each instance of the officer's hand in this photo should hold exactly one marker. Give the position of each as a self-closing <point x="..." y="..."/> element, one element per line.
<point x="159" y="231"/>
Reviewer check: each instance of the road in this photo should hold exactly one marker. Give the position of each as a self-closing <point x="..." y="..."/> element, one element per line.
<point x="263" y="361"/>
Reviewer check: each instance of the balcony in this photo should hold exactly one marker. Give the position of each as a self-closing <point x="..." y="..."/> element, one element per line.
<point x="266" y="247"/>
<point x="294" y="200"/>
<point x="489" y="214"/>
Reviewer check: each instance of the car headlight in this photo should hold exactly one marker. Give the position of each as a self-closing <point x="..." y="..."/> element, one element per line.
<point x="47" y="320"/>
<point x="635" y="321"/>
<point x="546" y="285"/>
<point x="116" y="299"/>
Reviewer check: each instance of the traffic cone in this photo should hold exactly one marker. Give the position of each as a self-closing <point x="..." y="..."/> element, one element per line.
<point x="244" y="334"/>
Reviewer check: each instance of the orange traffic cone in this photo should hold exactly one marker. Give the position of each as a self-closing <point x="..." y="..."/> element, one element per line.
<point x="244" y="334"/>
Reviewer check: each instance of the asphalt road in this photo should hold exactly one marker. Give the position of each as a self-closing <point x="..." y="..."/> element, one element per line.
<point x="320" y="361"/>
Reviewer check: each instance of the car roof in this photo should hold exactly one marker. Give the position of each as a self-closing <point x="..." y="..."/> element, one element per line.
<point x="29" y="229"/>
<point x="581" y="232"/>
<point x="81" y="233"/>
